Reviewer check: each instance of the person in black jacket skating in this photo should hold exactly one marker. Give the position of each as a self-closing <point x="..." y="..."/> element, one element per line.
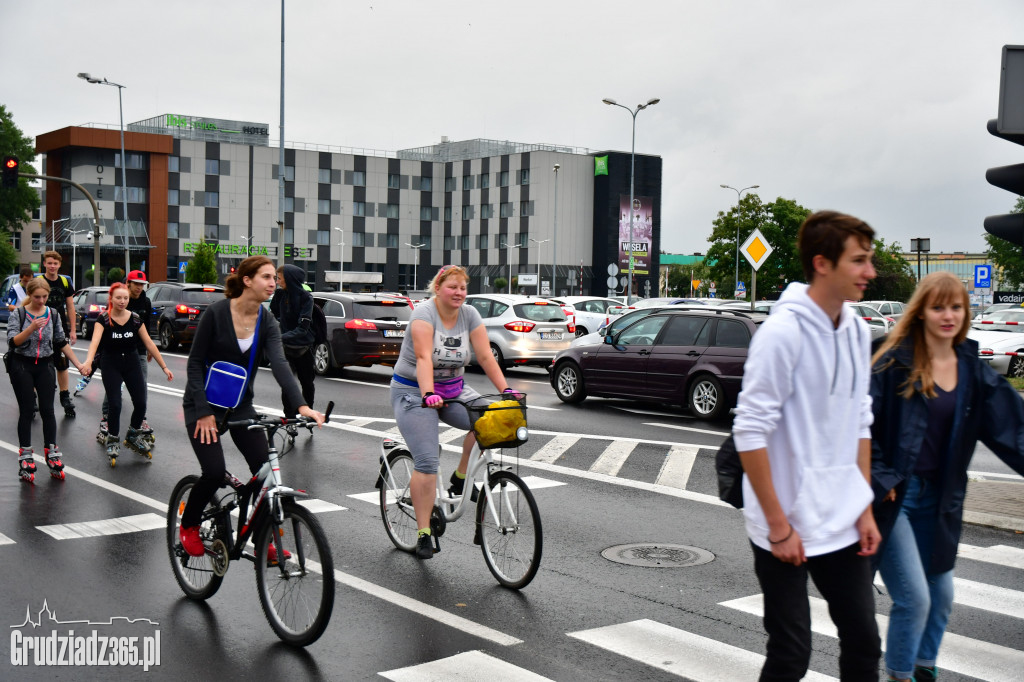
<point x="292" y="305"/>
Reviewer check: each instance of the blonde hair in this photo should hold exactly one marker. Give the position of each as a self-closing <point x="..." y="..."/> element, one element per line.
<point x="443" y="274"/>
<point x="34" y="285"/>
<point x="938" y="288"/>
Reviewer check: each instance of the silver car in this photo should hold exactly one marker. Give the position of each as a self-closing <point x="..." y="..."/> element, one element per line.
<point x="592" y="312"/>
<point x="891" y="309"/>
<point x="879" y="324"/>
<point x="523" y="330"/>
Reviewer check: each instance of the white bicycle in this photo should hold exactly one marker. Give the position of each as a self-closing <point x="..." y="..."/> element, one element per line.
<point x="508" y="527"/>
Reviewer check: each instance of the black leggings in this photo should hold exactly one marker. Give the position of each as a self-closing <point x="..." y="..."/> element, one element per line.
<point x="253" y="446"/>
<point x="302" y="365"/>
<point x="118" y="368"/>
<point x="30" y="378"/>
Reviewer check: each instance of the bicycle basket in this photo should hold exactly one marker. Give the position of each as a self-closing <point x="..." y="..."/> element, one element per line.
<point x="500" y="424"/>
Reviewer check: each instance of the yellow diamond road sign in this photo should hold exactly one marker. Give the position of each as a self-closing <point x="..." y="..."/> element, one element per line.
<point x="756" y="249"/>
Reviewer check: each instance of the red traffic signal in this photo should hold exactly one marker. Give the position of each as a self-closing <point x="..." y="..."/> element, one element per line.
<point x="10" y="172"/>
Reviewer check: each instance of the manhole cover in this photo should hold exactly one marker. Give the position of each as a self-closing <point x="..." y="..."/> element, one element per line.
<point x="658" y="556"/>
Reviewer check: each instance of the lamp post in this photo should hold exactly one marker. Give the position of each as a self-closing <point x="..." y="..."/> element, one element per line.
<point x="124" y="163"/>
<point x="74" y="253"/>
<point x="416" y="265"/>
<point x="554" y="235"/>
<point x="739" y="195"/>
<point x="508" y="254"/>
<point x="538" y="242"/>
<point x="341" y="260"/>
<point x="53" y="231"/>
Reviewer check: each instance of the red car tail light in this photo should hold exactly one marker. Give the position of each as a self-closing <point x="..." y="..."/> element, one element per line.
<point x="183" y="309"/>
<point x="360" y="324"/>
<point x="98" y="309"/>
<point x="571" y="326"/>
<point x="520" y="326"/>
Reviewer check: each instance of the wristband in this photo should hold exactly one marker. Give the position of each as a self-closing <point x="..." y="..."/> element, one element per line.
<point x="428" y="394"/>
<point x="509" y="390"/>
<point x="779" y="542"/>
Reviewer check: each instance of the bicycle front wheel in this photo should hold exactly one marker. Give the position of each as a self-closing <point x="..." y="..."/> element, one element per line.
<point x="295" y="579"/>
<point x="396" y="501"/>
<point x="195" y="575"/>
<point x="510" y="532"/>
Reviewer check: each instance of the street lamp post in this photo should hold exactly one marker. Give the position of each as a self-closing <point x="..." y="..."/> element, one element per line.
<point x="341" y="260"/>
<point x="632" y="161"/>
<point x="416" y="265"/>
<point x="554" y="235"/>
<point x="739" y="195"/>
<point x="538" y="242"/>
<point x="124" y="163"/>
<point x="508" y="255"/>
<point x="53" y="231"/>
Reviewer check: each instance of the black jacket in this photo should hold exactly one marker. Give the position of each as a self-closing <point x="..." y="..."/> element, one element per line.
<point x="987" y="409"/>
<point x="215" y="340"/>
<point x="293" y="308"/>
<point x="144" y="307"/>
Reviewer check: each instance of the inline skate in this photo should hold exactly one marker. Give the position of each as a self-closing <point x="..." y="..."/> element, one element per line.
<point x="147" y="431"/>
<point x="26" y="464"/>
<point x="54" y="461"/>
<point x="113" y="449"/>
<point x="67" y="404"/>
<point x="136" y="439"/>
<point x="101" y="435"/>
<point x="82" y="383"/>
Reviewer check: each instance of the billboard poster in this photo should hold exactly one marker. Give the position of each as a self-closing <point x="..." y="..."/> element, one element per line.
<point x="642" y="237"/>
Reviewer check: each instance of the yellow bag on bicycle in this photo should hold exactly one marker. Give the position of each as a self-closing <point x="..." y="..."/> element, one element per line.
<point x="499" y="424"/>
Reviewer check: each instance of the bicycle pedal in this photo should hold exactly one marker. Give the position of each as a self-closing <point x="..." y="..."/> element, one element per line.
<point x="437" y="544"/>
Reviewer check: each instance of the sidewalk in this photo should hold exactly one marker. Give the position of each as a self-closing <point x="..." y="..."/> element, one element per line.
<point x="998" y="504"/>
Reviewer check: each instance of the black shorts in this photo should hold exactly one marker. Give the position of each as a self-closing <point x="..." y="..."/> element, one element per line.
<point x="60" y="361"/>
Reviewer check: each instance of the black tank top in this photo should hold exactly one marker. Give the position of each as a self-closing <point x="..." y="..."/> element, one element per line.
<point x="118" y="338"/>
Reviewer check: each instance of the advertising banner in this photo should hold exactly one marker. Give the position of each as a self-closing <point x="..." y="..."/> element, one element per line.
<point x="639" y="243"/>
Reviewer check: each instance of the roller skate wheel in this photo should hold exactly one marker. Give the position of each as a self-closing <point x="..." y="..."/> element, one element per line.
<point x="59" y="475"/>
<point x="28" y="479"/>
<point x="113" y="462"/>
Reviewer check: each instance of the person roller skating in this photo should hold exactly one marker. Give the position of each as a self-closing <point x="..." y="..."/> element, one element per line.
<point x="60" y="298"/>
<point x="118" y="332"/>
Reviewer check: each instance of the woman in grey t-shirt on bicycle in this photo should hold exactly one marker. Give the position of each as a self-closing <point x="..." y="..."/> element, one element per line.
<point x="429" y="370"/>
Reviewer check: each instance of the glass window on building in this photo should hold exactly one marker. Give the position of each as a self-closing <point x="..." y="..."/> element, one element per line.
<point x="391" y="241"/>
<point x="467" y="182"/>
<point x="394" y="181"/>
<point x="289" y="235"/>
<point x="289" y="204"/>
<point x="211" y="232"/>
<point x="426" y="213"/>
<point x="391" y="210"/>
<point x="136" y="195"/>
<point x="323" y="237"/>
<point x="172" y="197"/>
<point x="16" y="240"/>
<point x="289" y="173"/>
<point x="213" y="166"/>
<point x="359" y="178"/>
<point x="464" y="242"/>
<point x="359" y="239"/>
<point x="323" y="206"/>
<point x="449" y="243"/>
<point x="468" y="212"/>
<point x="323" y="176"/>
<point x="425" y="240"/>
<point x="486" y="211"/>
<point x="37" y="242"/>
<point x="448" y="214"/>
<point x="526" y="208"/>
<point x="172" y="230"/>
<point x="65" y="195"/>
<point x="524" y="176"/>
<point x="482" y="241"/>
<point x="211" y="199"/>
<point x="426" y="184"/>
<point x="135" y="161"/>
<point x="503" y="179"/>
<point x="506" y="209"/>
<point x="485" y="180"/>
<point x="173" y="164"/>
<point x="449" y="184"/>
<point x="359" y="208"/>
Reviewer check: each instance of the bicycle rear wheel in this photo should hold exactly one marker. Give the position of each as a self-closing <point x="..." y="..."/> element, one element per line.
<point x="195" y="575"/>
<point x="396" y="501"/>
<point x="297" y="593"/>
<point x="510" y="530"/>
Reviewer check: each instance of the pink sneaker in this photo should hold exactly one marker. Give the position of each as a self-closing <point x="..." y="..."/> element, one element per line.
<point x="191" y="542"/>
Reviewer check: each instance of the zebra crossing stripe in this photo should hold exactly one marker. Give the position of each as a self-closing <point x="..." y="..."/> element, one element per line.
<point x="996" y="554"/>
<point x="679" y="652"/>
<point x="4" y="540"/>
<point x="613" y="457"/>
<point x="972" y="657"/>
<point x="678" y="463"/>
<point x="451" y="434"/>
<point x="319" y="506"/>
<point x="90" y="529"/>
<point x="983" y="596"/>
<point x="474" y="665"/>
<point x="554" y="448"/>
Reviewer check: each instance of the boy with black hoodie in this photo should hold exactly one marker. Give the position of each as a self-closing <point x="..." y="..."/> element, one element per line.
<point x="803" y="432"/>
<point x="292" y="305"/>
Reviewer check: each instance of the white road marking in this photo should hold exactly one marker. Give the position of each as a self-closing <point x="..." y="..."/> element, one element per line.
<point x="4" y="540"/>
<point x="985" y="476"/>
<point x="678" y="464"/>
<point x="554" y="448"/>
<point x="996" y="554"/>
<point x="613" y="457"/>
<point x="687" y="428"/>
<point x="983" y="596"/>
<point x="449" y="435"/>
<point x="680" y="652"/>
<point x="469" y="665"/>
<point x="532" y="482"/>
<point x="972" y="657"/>
<point x="319" y="506"/>
<point x="118" y="526"/>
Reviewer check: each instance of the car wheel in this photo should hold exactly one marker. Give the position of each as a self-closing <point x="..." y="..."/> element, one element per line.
<point x="707" y="400"/>
<point x="498" y="357"/>
<point x="84" y="330"/>
<point x="1016" y="368"/>
<point x="581" y="331"/>
<point x="569" y="383"/>
<point x="167" y="340"/>
<point x="321" y="359"/>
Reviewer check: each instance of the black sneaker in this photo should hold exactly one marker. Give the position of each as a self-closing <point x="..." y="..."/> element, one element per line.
<point x="922" y="674"/>
<point x="424" y="549"/>
<point x="458" y="485"/>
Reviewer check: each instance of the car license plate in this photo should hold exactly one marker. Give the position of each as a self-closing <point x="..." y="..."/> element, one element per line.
<point x="551" y="336"/>
<point x="394" y="333"/>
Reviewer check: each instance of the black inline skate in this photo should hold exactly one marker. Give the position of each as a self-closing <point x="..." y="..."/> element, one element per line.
<point x="67" y="404"/>
<point x="137" y="440"/>
<point x="101" y="435"/>
<point x="113" y="448"/>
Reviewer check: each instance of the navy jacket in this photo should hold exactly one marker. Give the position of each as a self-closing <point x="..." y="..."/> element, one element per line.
<point x="987" y="409"/>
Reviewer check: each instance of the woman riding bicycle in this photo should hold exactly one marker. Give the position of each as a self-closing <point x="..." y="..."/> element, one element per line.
<point x="225" y="333"/>
<point x="428" y="371"/>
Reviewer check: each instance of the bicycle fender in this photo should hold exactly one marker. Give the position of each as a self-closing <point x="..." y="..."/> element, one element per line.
<point x="384" y="466"/>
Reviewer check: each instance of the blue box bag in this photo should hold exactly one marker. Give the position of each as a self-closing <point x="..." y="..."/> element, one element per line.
<point x="225" y="381"/>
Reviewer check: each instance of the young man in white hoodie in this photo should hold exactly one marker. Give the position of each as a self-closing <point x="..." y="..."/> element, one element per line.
<point x="802" y="428"/>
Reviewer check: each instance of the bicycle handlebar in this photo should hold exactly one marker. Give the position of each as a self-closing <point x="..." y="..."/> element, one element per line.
<point x="274" y="423"/>
<point x="510" y="395"/>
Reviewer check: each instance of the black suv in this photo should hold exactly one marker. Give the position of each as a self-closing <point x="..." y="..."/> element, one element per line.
<point x="90" y="303"/>
<point x="176" y="310"/>
<point x="362" y="329"/>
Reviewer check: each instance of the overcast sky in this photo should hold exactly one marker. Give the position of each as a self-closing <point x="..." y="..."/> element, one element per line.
<point x="873" y="108"/>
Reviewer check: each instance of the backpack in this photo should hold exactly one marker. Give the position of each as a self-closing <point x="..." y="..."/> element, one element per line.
<point x="319" y="326"/>
<point x="730" y="473"/>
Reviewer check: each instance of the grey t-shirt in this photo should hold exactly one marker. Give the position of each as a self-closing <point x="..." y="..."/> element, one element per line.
<point x="452" y="349"/>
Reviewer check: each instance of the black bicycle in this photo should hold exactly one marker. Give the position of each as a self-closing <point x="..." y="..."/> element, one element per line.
<point x="296" y="593"/>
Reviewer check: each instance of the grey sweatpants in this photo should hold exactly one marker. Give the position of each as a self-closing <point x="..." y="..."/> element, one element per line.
<point x="420" y="425"/>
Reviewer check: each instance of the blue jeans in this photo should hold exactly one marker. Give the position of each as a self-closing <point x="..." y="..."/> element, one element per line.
<point x="921" y="601"/>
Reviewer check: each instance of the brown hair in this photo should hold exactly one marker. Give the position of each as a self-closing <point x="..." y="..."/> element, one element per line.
<point x="825" y="233"/>
<point x="53" y="254"/>
<point x="26" y="272"/>
<point x="938" y="288"/>
<point x="31" y="287"/>
<point x="234" y="286"/>
<point x="443" y="274"/>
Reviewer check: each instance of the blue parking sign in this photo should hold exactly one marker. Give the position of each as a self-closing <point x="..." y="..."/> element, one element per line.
<point x="982" y="276"/>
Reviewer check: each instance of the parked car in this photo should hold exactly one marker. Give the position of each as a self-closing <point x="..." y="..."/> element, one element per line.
<point x="176" y="310"/>
<point x="90" y="303"/>
<point x="362" y="329"/>
<point x="615" y="324"/>
<point x="523" y="329"/>
<point x="891" y="309"/>
<point x="995" y="340"/>
<point x="759" y="306"/>
<point x="879" y="324"/>
<point x="688" y="357"/>
<point x="995" y="308"/>
<point x="5" y="288"/>
<point x="591" y="312"/>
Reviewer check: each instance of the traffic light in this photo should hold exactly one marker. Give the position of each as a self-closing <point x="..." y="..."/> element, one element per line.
<point x="1009" y="126"/>
<point x="10" y="172"/>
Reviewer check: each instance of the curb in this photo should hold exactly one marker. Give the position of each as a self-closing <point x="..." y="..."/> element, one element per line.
<point x="1000" y="521"/>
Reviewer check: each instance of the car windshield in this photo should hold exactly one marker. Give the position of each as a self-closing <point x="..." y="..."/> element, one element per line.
<point x="102" y="296"/>
<point x="540" y="312"/>
<point x="201" y="296"/>
<point x="398" y="310"/>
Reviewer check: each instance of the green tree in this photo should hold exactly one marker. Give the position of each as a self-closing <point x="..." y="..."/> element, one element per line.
<point x="115" y="274"/>
<point x="895" y="280"/>
<point x="8" y="256"/>
<point x="499" y="284"/>
<point x="779" y="222"/>
<point x="16" y="205"/>
<point x="1007" y="257"/>
<point x="680" y="276"/>
<point x="202" y="268"/>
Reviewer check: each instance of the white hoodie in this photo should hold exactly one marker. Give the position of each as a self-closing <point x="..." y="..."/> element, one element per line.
<point x="805" y="398"/>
